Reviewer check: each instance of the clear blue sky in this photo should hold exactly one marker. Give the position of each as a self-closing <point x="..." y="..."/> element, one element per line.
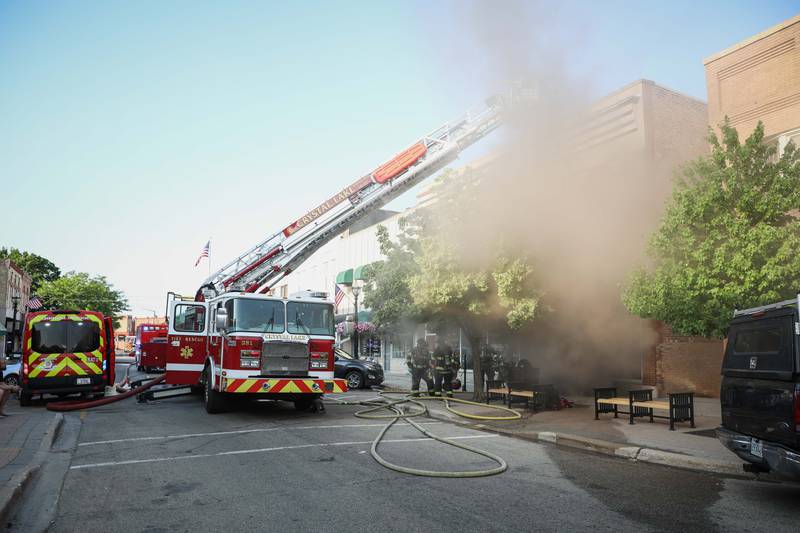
<point x="130" y="132"/>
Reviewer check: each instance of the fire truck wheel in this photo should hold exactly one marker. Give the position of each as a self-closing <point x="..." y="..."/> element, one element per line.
<point x="213" y="400"/>
<point x="303" y="405"/>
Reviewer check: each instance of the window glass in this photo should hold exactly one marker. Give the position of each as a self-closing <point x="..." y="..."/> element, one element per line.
<point x="65" y="336"/>
<point x="765" y="340"/>
<point x="190" y="318"/>
<point x="258" y="316"/>
<point x="309" y="318"/>
<point x="49" y="337"/>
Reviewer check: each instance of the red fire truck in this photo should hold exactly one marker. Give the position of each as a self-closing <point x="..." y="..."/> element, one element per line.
<point x="248" y="344"/>
<point x="151" y="347"/>
<point x="66" y="352"/>
<point x="234" y="338"/>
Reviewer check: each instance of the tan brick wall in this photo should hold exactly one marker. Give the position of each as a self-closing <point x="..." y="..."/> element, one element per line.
<point x="689" y="364"/>
<point x="758" y="79"/>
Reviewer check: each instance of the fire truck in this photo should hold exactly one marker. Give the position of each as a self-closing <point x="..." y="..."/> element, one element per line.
<point x="234" y="339"/>
<point x="66" y="352"/>
<point x="150" y="349"/>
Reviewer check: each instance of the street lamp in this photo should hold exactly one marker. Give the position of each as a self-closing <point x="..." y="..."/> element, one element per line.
<point x="356" y="288"/>
<point x="14" y="299"/>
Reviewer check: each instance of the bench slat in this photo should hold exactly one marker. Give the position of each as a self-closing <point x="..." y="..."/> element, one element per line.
<point x="614" y="401"/>
<point x="498" y="391"/>
<point x="654" y="404"/>
<point x="524" y="393"/>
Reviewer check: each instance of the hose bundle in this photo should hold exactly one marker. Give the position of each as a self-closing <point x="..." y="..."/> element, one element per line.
<point x="396" y="412"/>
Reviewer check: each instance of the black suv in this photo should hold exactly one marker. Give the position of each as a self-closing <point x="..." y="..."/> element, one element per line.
<point x="358" y="372"/>
<point x="760" y="391"/>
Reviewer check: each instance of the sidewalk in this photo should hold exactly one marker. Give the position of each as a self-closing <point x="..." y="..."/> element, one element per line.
<point x="23" y="434"/>
<point x="692" y="448"/>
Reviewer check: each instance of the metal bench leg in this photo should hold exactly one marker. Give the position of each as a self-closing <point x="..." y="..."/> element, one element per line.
<point x="596" y="410"/>
<point x="651" y="415"/>
<point x="615" y="411"/>
<point x="630" y="411"/>
<point x="671" y="418"/>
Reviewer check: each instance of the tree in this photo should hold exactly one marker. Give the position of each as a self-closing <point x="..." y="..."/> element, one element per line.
<point x="81" y="291"/>
<point x="434" y="273"/>
<point x="36" y="266"/>
<point x="729" y="238"/>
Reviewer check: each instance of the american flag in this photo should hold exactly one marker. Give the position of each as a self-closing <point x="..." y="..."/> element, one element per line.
<point x="339" y="296"/>
<point x="203" y="254"/>
<point x="34" y="303"/>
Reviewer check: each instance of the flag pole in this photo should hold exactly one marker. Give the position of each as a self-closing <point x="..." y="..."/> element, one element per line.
<point x="209" y="257"/>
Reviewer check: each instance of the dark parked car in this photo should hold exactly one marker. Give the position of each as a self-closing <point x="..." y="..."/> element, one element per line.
<point x="358" y="372"/>
<point x="760" y="391"/>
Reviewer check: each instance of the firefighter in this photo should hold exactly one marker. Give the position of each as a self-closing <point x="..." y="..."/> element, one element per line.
<point x="419" y="363"/>
<point x="445" y="367"/>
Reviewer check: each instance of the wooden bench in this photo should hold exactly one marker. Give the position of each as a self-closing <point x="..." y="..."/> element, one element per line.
<point x="495" y="388"/>
<point x="640" y="403"/>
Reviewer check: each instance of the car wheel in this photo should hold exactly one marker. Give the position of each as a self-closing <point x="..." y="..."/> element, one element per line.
<point x="11" y="379"/>
<point x="355" y="379"/>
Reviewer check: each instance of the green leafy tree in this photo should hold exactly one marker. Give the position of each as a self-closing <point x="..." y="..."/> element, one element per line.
<point x="36" y="266"/>
<point x="81" y="291"/>
<point x="432" y="272"/>
<point x="729" y="238"/>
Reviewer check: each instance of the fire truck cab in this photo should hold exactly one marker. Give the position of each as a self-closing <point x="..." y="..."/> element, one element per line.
<point x="151" y="347"/>
<point x="242" y="344"/>
<point x="67" y="352"/>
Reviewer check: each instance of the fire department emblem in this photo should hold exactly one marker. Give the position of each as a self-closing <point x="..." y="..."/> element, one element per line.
<point x="186" y="352"/>
<point x="315" y="386"/>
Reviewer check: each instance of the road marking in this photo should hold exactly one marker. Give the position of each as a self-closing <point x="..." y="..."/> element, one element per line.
<point x="241" y="432"/>
<point x="264" y="450"/>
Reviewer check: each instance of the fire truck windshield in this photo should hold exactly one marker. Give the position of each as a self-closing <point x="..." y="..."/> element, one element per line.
<point x="65" y="336"/>
<point x="309" y="318"/>
<point x="258" y="316"/>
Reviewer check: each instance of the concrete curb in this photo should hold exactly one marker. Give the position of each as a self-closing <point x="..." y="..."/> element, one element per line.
<point x="614" y="449"/>
<point x="13" y="491"/>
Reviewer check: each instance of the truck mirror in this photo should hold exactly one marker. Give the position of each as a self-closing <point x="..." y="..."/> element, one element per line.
<point x="222" y="319"/>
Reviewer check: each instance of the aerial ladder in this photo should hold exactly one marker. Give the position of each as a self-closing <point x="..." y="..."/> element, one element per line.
<point x="265" y="264"/>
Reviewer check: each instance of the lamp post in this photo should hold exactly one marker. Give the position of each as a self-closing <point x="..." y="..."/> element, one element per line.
<point x="14" y="299"/>
<point x="356" y="291"/>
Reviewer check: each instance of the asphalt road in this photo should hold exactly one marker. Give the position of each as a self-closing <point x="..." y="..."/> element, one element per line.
<point x="169" y="466"/>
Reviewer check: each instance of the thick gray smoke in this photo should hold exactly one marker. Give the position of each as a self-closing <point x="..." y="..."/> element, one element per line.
<point x="582" y="212"/>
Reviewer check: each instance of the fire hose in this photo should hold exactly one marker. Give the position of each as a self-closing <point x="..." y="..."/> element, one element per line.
<point x="396" y="412"/>
<point x="80" y="404"/>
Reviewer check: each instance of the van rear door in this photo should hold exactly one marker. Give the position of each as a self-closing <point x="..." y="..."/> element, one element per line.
<point x="759" y="371"/>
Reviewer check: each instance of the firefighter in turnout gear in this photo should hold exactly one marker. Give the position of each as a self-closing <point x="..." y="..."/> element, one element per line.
<point x="419" y="363"/>
<point x="445" y="366"/>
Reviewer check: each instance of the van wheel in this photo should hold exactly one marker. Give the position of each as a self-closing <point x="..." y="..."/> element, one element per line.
<point x="25" y="399"/>
<point x="213" y="400"/>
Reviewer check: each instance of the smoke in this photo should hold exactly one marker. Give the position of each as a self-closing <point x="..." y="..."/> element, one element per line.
<point x="582" y="208"/>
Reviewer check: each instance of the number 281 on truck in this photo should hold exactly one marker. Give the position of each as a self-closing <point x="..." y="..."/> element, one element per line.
<point x="251" y="345"/>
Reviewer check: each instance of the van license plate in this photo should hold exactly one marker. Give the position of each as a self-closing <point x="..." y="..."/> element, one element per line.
<point x="84" y="381"/>
<point x="757" y="448"/>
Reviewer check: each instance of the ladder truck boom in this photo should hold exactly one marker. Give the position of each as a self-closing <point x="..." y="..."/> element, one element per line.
<point x="263" y="266"/>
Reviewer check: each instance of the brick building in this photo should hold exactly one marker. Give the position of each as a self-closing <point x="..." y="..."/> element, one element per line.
<point x="759" y="79"/>
<point x="15" y="291"/>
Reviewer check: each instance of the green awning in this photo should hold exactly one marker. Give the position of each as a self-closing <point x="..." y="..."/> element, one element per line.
<point x="3" y="331"/>
<point x="360" y="272"/>
<point x="345" y="277"/>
